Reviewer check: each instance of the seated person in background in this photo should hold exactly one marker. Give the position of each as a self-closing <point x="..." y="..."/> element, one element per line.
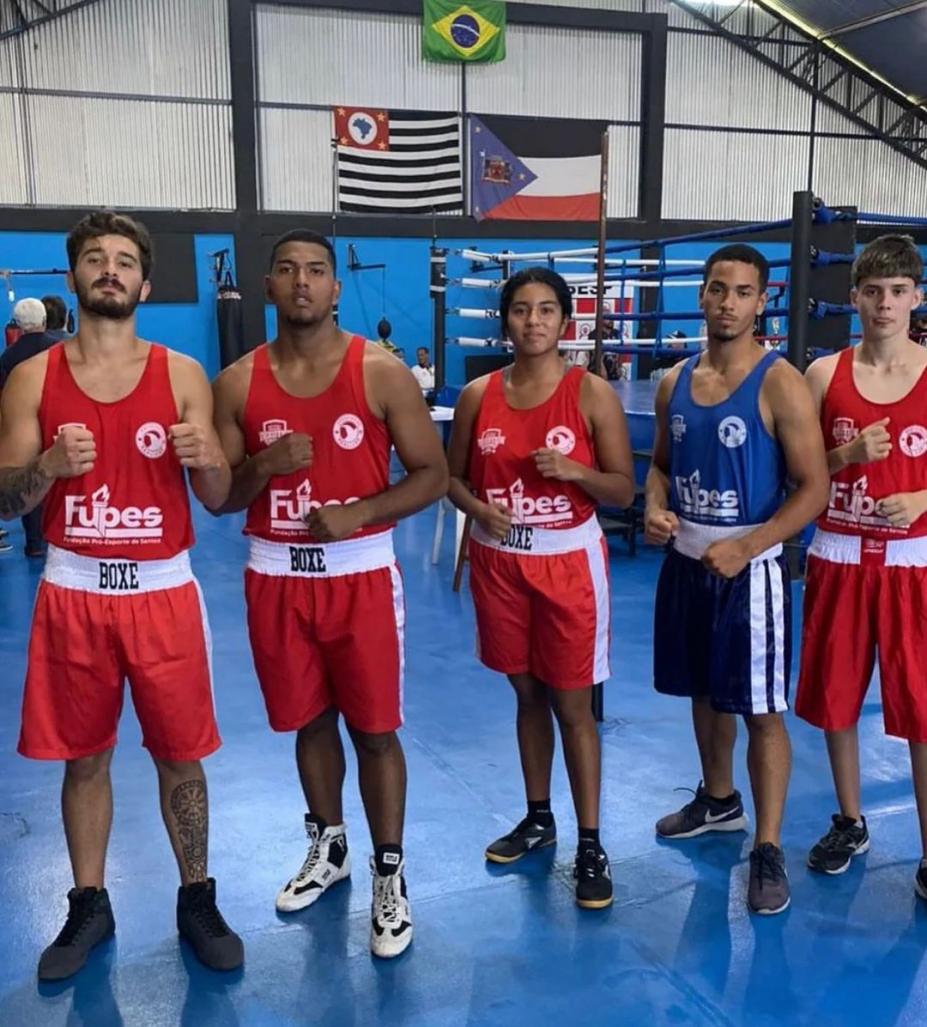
<point x="424" y="371"/>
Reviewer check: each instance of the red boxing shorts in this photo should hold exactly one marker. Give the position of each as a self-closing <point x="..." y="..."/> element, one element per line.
<point x="99" y="622"/>
<point x="542" y="603"/>
<point x="326" y="626"/>
<point x="862" y="596"/>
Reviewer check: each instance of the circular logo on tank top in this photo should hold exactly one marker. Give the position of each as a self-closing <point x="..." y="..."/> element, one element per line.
<point x="562" y="439"/>
<point x="732" y="432"/>
<point x="913" y="440"/>
<point x="151" y="440"/>
<point x="348" y="431"/>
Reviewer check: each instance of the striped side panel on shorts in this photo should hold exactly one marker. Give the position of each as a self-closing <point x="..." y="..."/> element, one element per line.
<point x="207" y="637"/>
<point x="597" y="555"/>
<point x="767" y="638"/>
<point x="399" y="611"/>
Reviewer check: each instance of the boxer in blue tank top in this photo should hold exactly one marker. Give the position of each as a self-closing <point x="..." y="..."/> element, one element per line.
<point x="732" y="425"/>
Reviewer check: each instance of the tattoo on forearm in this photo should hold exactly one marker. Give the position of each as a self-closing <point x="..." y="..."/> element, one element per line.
<point x="191" y="815"/>
<point x="18" y="486"/>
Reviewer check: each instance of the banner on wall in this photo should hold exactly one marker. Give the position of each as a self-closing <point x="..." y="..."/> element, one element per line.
<point x="398" y="162"/>
<point x="534" y="169"/>
<point x="473" y="32"/>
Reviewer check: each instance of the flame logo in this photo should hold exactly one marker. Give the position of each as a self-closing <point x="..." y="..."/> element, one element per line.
<point x="101" y="496"/>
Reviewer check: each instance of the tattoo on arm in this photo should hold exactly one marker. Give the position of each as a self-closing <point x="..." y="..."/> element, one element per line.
<point x="191" y="816"/>
<point x="19" y="487"/>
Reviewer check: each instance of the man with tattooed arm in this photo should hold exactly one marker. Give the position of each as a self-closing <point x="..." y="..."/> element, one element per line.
<point x="99" y="428"/>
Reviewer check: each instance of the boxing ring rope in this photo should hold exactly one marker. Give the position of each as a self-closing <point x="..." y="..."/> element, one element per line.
<point x="794" y="302"/>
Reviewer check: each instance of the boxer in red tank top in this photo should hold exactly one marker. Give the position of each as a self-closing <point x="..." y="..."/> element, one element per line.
<point x="866" y="588"/>
<point x="535" y="447"/>
<point x="101" y="427"/>
<point x="307" y="422"/>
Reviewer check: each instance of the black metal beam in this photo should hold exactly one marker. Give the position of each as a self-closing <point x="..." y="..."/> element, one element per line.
<point x="875" y="19"/>
<point x="247" y="230"/>
<point x="752" y="47"/>
<point x="27" y="23"/>
<point x="653" y="122"/>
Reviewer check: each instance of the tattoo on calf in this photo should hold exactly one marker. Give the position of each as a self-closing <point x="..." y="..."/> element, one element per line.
<point x="17" y="484"/>
<point x="191" y="814"/>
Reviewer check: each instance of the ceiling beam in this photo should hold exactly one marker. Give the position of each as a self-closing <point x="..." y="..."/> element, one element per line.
<point x="875" y="19"/>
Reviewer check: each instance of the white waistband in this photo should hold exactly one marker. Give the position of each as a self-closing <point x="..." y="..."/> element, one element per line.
<point x="837" y="548"/>
<point x="532" y="541"/>
<point x="693" y="539"/>
<point x="322" y="560"/>
<point x="117" y="576"/>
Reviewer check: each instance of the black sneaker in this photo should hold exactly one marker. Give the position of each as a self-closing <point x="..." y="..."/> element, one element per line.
<point x="593" y="878"/>
<point x="199" y="921"/>
<point x="520" y="841"/>
<point x="703" y="814"/>
<point x="843" y="841"/>
<point x="768" y="891"/>
<point x="90" y="921"/>
<point x="920" y="880"/>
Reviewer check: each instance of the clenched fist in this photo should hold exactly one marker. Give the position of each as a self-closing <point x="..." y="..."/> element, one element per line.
<point x="726" y="557"/>
<point x="336" y="522"/>
<point x="193" y="446"/>
<point x="551" y="463"/>
<point x="291" y="453"/>
<point x="71" y="454"/>
<point x="872" y="443"/>
<point x="659" y="525"/>
<point x="902" y="509"/>
<point x="495" y="520"/>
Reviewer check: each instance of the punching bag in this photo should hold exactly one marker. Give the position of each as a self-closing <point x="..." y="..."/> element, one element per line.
<point x="228" y="308"/>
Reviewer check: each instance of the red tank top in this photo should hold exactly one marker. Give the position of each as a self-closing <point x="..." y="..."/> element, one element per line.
<point x="134" y="503"/>
<point x="350" y="447"/>
<point x="855" y="490"/>
<point x="501" y="468"/>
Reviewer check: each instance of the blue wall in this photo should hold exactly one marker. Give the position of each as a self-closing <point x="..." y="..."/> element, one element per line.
<point x="188" y="327"/>
<point x="191" y="328"/>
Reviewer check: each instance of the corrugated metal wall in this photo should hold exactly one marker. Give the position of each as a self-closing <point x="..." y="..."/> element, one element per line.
<point x="296" y="159"/>
<point x="732" y="176"/>
<point x="561" y="73"/>
<point x="709" y="81"/>
<point x="13" y="181"/>
<point x="869" y="175"/>
<point x="548" y="72"/>
<point x="624" y="155"/>
<point x="330" y="57"/>
<point x="117" y="139"/>
<point x="136" y="146"/>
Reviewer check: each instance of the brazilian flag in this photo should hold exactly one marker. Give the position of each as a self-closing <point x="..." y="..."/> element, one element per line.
<point x="454" y="31"/>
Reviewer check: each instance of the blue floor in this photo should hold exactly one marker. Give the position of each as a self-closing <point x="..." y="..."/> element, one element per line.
<point x="492" y="946"/>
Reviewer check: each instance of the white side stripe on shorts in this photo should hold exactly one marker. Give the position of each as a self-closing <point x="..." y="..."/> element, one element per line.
<point x="767" y="628"/>
<point x="399" y="611"/>
<point x="599" y="573"/>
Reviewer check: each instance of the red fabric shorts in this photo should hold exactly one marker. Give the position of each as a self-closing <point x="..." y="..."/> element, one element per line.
<point x="544" y="614"/>
<point x="323" y="642"/>
<point x="851" y="612"/>
<point x="84" y="646"/>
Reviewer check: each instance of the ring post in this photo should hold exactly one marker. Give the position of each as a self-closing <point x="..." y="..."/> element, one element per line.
<point x="800" y="278"/>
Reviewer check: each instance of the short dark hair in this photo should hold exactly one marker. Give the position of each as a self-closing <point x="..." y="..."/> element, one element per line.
<point x="304" y="235"/>
<point x="423" y="349"/>
<point x="742" y="254"/>
<point x="544" y="276"/>
<point x="56" y="312"/>
<point x="889" y="256"/>
<point x="108" y="222"/>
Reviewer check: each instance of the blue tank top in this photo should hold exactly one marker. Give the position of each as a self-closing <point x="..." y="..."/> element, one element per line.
<point x="725" y="467"/>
